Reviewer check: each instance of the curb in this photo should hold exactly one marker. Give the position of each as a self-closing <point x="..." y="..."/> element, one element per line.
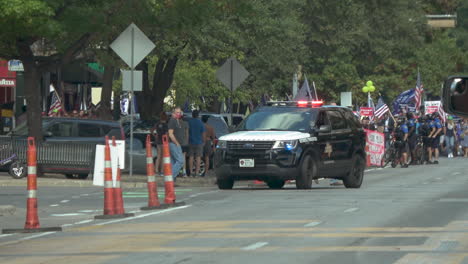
<point x="7" y="209"/>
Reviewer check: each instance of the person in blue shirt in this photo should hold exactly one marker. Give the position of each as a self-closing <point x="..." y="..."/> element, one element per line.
<point x="196" y="142"/>
<point x="401" y="137"/>
<point x="434" y="136"/>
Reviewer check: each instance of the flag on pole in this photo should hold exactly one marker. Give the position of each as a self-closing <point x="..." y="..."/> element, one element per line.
<point x="304" y="93"/>
<point x="381" y="108"/>
<point x="403" y="100"/>
<point x="55" y="104"/>
<point x="442" y="114"/>
<point x="418" y="92"/>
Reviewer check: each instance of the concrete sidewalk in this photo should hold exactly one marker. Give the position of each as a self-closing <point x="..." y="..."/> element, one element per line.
<point x="136" y="181"/>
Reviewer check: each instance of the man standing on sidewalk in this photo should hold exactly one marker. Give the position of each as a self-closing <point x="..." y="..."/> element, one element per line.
<point x="196" y="142"/>
<point x="176" y="132"/>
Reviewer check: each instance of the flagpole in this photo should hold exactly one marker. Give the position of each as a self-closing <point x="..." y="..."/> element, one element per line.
<point x="315" y="90"/>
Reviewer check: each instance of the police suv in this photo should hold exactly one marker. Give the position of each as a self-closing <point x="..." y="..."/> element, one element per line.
<point x="300" y="140"/>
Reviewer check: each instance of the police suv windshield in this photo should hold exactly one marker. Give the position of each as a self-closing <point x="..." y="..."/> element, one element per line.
<point x="279" y="118"/>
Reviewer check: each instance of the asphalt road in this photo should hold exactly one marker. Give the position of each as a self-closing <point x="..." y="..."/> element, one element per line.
<point x="415" y="215"/>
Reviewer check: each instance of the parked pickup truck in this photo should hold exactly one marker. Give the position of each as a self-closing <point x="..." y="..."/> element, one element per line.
<point x="68" y="147"/>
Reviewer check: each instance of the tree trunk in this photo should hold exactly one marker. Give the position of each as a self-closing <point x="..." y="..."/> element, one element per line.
<point x="162" y="81"/>
<point x="33" y="98"/>
<point x="144" y="98"/>
<point x="104" y="111"/>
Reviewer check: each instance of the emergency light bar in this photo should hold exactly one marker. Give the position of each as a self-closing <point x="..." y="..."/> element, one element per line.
<point x="312" y="104"/>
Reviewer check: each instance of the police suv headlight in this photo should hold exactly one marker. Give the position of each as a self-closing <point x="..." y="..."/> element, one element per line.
<point x="285" y="144"/>
<point x="222" y="144"/>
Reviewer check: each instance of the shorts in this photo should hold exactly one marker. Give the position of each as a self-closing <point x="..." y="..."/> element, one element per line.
<point x="402" y="146"/>
<point x="435" y="142"/>
<point x="196" y="150"/>
<point x="185" y="148"/>
<point x="412" y="142"/>
<point x="208" y="148"/>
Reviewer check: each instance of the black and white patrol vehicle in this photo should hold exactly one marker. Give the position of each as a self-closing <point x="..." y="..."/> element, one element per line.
<point x="300" y="140"/>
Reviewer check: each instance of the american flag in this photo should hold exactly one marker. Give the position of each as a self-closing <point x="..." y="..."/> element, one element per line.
<point x="442" y="114"/>
<point x="418" y="92"/>
<point x="55" y="104"/>
<point x="381" y="108"/>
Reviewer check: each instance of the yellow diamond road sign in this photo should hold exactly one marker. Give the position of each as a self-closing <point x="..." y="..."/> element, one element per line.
<point x="142" y="46"/>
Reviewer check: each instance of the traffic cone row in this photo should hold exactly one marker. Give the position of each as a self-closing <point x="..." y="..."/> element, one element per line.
<point x="32" y="218"/>
<point x="153" y="200"/>
<point x="113" y="200"/>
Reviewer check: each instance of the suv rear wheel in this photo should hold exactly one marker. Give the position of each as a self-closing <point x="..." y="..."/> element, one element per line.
<point x="308" y="171"/>
<point x="356" y="174"/>
<point x="225" y="184"/>
<point x="275" y="183"/>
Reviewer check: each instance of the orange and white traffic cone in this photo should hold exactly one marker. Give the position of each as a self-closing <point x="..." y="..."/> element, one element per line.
<point x="170" y="197"/>
<point x="32" y="218"/>
<point x="153" y="200"/>
<point x="118" y="196"/>
<point x="109" y="197"/>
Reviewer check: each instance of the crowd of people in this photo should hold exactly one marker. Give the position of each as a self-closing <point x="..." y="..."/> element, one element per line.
<point x="193" y="137"/>
<point x="407" y="130"/>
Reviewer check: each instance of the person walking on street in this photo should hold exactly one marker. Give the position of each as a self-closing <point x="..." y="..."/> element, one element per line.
<point x="465" y="138"/>
<point x="208" y="149"/>
<point x="176" y="132"/>
<point x="196" y="143"/>
<point x="185" y="144"/>
<point x="434" y="136"/>
<point x="450" y="136"/>
<point x="161" y="129"/>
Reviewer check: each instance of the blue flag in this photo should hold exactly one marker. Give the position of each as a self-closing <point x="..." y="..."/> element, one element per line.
<point x="404" y="101"/>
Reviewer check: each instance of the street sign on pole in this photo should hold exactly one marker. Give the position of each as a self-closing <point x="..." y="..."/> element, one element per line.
<point x="132" y="45"/>
<point x="232" y="74"/>
<point x="137" y="81"/>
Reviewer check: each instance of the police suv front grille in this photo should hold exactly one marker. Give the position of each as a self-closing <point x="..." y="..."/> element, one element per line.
<point x="254" y="145"/>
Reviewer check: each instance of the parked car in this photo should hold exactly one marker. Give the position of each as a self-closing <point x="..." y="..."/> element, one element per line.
<point x="233" y="120"/>
<point x="68" y="146"/>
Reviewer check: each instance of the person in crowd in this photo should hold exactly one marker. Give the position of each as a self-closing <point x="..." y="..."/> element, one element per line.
<point x="161" y="128"/>
<point x="434" y="137"/>
<point x="176" y="132"/>
<point x="196" y="143"/>
<point x="424" y="130"/>
<point x="450" y="136"/>
<point x="185" y="144"/>
<point x="412" y="137"/>
<point x="465" y="138"/>
<point x="209" y="142"/>
<point x="401" y="136"/>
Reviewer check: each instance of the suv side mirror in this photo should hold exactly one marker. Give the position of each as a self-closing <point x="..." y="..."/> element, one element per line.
<point x="324" y="129"/>
<point x="455" y="95"/>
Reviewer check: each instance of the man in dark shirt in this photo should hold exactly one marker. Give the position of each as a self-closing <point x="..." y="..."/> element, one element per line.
<point x="176" y="134"/>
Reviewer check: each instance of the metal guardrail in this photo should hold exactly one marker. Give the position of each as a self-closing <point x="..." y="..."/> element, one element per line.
<point x="51" y="153"/>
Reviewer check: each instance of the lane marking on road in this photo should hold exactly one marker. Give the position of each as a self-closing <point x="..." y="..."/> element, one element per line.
<point x="350" y="210"/>
<point x="72" y="214"/>
<point x="75" y="197"/>
<point x="54" y="205"/>
<point x="64" y="201"/>
<point x="255" y="246"/>
<point x="88" y="211"/>
<point x="312" y="224"/>
<point x="85" y="194"/>
<point x="203" y="193"/>
<point x="454" y="200"/>
<point x="67" y="225"/>
<point x="144" y="215"/>
<point x="36" y="236"/>
<point x="5" y="235"/>
<point x="84" y="222"/>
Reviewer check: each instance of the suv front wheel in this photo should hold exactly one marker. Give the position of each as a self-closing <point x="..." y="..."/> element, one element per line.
<point x="225" y="184"/>
<point x="308" y="170"/>
<point x="356" y="174"/>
